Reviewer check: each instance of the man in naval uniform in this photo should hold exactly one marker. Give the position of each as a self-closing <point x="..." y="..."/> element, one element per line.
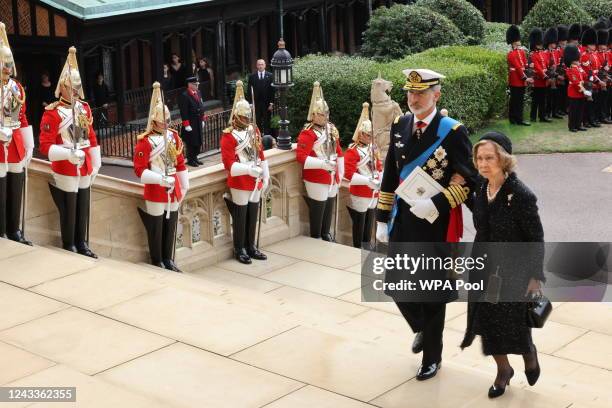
<point x="68" y="139"/>
<point x="160" y="165"/>
<point x="439" y="145"/>
<point x="319" y="152"/>
<point x="248" y="176"/>
<point x="363" y="169"/>
<point x="16" y="145"/>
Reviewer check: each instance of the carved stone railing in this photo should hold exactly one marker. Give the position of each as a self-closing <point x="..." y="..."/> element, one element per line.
<point x="204" y="235"/>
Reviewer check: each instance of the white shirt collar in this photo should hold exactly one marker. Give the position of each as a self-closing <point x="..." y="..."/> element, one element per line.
<point x="427" y="120"/>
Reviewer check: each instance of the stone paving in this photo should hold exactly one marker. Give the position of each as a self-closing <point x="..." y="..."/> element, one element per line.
<point x="290" y="332"/>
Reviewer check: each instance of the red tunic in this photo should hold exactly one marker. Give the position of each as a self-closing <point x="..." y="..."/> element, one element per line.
<point x="305" y="144"/>
<point x="229" y="157"/>
<point x="575" y="76"/>
<point x="540" y="63"/>
<point x="590" y="63"/>
<point x="517" y="61"/>
<point x="16" y="148"/>
<point x="142" y="157"/>
<point x="351" y="159"/>
<point x="49" y="135"/>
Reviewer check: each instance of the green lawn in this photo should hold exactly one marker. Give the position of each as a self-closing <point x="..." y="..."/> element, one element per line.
<point x="551" y="137"/>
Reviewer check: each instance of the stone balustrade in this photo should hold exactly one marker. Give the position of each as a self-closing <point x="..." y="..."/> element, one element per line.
<point x="204" y="233"/>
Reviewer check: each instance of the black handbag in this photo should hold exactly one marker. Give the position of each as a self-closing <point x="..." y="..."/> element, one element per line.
<point x="538" y="312"/>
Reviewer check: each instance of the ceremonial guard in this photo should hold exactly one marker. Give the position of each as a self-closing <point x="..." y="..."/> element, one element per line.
<point x="553" y="69"/>
<point x="539" y="59"/>
<point x="608" y="69"/>
<point x="160" y="165"/>
<point x="574" y="36"/>
<point x="248" y="175"/>
<point x="440" y="146"/>
<point x="576" y="92"/>
<point x="591" y="64"/>
<point x="320" y="154"/>
<point x="17" y="144"/>
<point x="518" y="77"/>
<point x="562" y="31"/>
<point x="604" y="76"/>
<point x="68" y="139"/>
<point x="363" y="169"/>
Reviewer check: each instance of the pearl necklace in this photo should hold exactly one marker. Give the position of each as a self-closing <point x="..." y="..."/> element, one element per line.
<point x="492" y="197"/>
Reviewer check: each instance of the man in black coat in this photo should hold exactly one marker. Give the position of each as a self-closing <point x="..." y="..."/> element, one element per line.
<point x="191" y="106"/>
<point x="260" y="83"/>
<point x="440" y="146"/>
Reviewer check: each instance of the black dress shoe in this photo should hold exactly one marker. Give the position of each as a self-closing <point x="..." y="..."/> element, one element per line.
<point x="582" y="129"/>
<point x="573" y="130"/>
<point x="17" y="236"/>
<point x="524" y="123"/>
<point x="84" y="250"/>
<point x="555" y="116"/>
<point x="327" y="237"/>
<point x="192" y="163"/>
<point x="199" y="162"/>
<point x="595" y="124"/>
<point x="242" y="256"/>
<point x="417" y="344"/>
<point x="170" y="265"/>
<point x="497" y="391"/>
<point x="545" y="120"/>
<point x="427" y="372"/>
<point x="533" y="373"/>
<point x="586" y="125"/>
<point x="255" y="253"/>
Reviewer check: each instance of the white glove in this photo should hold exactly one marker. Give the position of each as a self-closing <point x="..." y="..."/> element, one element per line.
<point x="183" y="177"/>
<point x="381" y="232"/>
<point x="28" y="142"/>
<point x="422" y="208"/>
<point x="329" y="165"/>
<point x="6" y="134"/>
<point x="265" y="175"/>
<point x="255" y="171"/>
<point x="588" y="93"/>
<point x="77" y="157"/>
<point x="203" y="124"/>
<point x="374" y="184"/>
<point x="188" y="128"/>
<point x="341" y="168"/>
<point x="167" y="181"/>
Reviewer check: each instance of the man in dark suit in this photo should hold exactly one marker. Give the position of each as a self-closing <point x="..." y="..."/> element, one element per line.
<point x="191" y="106"/>
<point x="440" y="146"/>
<point x="260" y="83"/>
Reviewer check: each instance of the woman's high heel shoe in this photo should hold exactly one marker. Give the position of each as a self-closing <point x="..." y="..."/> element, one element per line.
<point x="496" y="391"/>
<point x="533" y="373"/>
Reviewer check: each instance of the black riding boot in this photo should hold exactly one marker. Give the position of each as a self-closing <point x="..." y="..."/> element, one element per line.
<point x="315" y="212"/>
<point x="327" y="219"/>
<point x="14" y="191"/>
<point x="239" y="219"/>
<point x="370" y="219"/>
<point x="252" y="219"/>
<point x="82" y="223"/>
<point x="358" y="219"/>
<point x="154" y="226"/>
<point x="66" y="204"/>
<point x="2" y="206"/>
<point x="169" y="241"/>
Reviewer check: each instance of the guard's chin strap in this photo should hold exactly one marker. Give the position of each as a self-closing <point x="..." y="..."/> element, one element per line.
<point x="239" y="123"/>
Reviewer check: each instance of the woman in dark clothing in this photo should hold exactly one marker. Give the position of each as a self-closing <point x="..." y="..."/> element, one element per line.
<point x="505" y="210"/>
<point x="204" y="79"/>
<point x="178" y="71"/>
<point x="167" y="83"/>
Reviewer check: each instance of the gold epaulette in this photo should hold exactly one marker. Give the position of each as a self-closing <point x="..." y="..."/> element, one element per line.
<point x="52" y="105"/>
<point x="457" y="125"/>
<point x="456" y="194"/>
<point x="228" y="129"/>
<point x="397" y="118"/>
<point x="385" y="201"/>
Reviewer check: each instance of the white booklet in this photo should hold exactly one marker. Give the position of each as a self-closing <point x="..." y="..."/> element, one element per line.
<point x="418" y="186"/>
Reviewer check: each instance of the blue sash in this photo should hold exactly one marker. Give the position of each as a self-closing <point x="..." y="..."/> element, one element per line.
<point x="444" y="128"/>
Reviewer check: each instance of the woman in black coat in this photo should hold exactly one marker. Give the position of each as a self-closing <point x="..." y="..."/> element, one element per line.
<point x="505" y="210"/>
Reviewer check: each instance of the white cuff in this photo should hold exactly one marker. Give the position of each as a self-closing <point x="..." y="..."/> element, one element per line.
<point x="28" y="137"/>
<point x="313" y="163"/>
<point x="183" y="177"/>
<point x="239" y="169"/>
<point x="96" y="158"/>
<point x="340" y="162"/>
<point x="150" y="177"/>
<point x="58" y="153"/>
<point x="266" y="170"/>
<point x="359" y="180"/>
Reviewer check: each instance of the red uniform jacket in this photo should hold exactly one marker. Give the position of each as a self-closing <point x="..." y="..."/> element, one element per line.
<point x="351" y="160"/>
<point x="229" y="157"/>
<point x="49" y="135"/>
<point x="575" y="75"/>
<point x="517" y="61"/>
<point x="540" y="63"/>
<point x="142" y="157"/>
<point x="590" y="63"/>
<point x="16" y="148"/>
<point x="305" y="143"/>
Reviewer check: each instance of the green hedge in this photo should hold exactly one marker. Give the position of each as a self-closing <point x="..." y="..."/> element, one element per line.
<point x="463" y="14"/>
<point x="473" y="91"/>
<point x="551" y="13"/>
<point x="402" y="30"/>
<point x="597" y="8"/>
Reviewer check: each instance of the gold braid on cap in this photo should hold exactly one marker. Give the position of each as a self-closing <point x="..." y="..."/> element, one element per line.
<point x="70" y="72"/>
